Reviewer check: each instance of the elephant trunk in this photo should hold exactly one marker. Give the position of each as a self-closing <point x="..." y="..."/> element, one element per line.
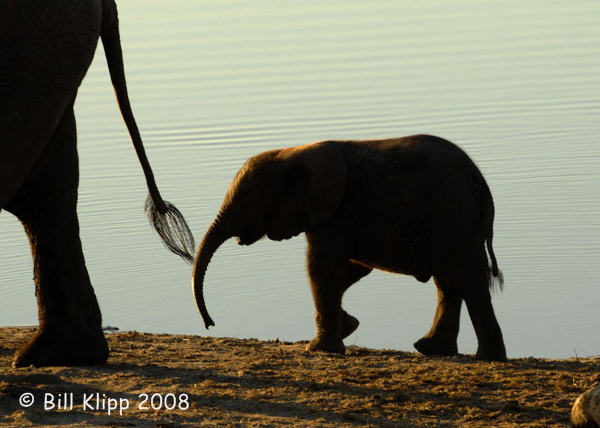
<point x="213" y="238"/>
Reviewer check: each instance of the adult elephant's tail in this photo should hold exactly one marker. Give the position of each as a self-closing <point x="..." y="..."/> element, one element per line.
<point x="166" y="219"/>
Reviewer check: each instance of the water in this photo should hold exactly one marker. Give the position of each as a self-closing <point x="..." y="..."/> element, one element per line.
<point x="212" y="83"/>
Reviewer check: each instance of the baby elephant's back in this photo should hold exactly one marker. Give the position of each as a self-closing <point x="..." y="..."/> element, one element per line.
<point x="418" y="167"/>
<point x="427" y="182"/>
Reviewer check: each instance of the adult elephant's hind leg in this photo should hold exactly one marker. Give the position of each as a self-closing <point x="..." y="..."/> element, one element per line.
<point x="69" y="331"/>
<point x="441" y="338"/>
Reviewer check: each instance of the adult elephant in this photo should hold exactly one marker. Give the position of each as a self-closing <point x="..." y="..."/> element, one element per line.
<point x="46" y="47"/>
<point x="416" y="205"/>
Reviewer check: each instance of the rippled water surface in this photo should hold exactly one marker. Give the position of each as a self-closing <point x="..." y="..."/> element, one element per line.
<point x="212" y="83"/>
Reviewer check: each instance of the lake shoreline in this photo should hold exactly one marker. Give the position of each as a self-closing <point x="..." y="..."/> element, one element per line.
<point x="247" y="382"/>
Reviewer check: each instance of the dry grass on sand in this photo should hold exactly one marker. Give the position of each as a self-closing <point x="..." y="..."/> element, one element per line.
<point x="235" y="382"/>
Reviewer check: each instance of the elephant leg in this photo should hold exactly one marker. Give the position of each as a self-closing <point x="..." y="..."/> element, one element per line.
<point x="441" y="338"/>
<point x="348" y="324"/>
<point x="69" y="331"/>
<point x="354" y="273"/>
<point x="490" y="344"/>
<point x="476" y="293"/>
<point x="327" y="288"/>
<point x="329" y="278"/>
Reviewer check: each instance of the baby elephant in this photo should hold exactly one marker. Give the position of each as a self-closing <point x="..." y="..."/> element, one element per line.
<point x="415" y="205"/>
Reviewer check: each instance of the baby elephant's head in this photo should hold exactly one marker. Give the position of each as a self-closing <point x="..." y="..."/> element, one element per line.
<point x="280" y="194"/>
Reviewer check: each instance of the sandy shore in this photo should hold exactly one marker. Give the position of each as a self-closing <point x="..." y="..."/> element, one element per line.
<point x="172" y="381"/>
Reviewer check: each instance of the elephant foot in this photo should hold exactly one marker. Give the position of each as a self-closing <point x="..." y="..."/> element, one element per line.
<point x="321" y="344"/>
<point x="489" y="353"/>
<point x="431" y="346"/>
<point x="51" y="348"/>
<point x="349" y="324"/>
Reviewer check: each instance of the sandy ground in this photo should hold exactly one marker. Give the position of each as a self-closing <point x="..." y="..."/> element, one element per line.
<point x="172" y="381"/>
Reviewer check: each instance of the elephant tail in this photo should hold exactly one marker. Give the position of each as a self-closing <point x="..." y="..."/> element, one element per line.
<point x="497" y="279"/>
<point x="164" y="217"/>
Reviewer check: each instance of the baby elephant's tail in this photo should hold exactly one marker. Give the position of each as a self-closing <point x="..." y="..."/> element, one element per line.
<point x="497" y="279"/>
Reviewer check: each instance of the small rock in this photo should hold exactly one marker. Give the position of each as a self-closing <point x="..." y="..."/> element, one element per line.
<point x="586" y="409"/>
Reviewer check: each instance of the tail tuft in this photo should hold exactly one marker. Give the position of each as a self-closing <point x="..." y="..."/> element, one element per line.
<point x="496" y="280"/>
<point x="172" y="228"/>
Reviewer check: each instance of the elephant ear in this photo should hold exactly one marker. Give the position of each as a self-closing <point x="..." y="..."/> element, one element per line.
<point x="314" y="183"/>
